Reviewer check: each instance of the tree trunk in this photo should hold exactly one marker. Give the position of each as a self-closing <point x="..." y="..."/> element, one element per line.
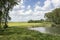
<point x="0" y="22"/>
<point x="6" y="16"/>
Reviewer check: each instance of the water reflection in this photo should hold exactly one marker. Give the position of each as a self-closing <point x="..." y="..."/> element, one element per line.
<point x="51" y="30"/>
<point x="40" y="29"/>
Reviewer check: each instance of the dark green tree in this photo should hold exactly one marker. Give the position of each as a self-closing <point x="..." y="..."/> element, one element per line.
<point x="5" y="7"/>
<point x="0" y="18"/>
<point x="54" y="16"/>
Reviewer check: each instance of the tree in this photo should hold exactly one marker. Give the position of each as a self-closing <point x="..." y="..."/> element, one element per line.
<point x="0" y="18"/>
<point x="5" y="6"/>
<point x="36" y="21"/>
<point x="54" y="16"/>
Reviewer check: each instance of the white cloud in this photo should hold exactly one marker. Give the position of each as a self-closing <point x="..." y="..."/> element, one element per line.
<point x="21" y="2"/>
<point x="19" y="6"/>
<point x="47" y="5"/>
<point x="20" y="14"/>
<point x="56" y="3"/>
<point x="28" y="7"/>
<point x="37" y="7"/>
<point x="28" y="11"/>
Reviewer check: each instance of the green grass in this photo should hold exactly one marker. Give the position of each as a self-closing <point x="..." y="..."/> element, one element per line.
<point x="25" y="24"/>
<point x="17" y="33"/>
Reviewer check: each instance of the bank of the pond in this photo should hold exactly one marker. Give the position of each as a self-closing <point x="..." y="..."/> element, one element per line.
<point x="17" y="33"/>
<point x="47" y="30"/>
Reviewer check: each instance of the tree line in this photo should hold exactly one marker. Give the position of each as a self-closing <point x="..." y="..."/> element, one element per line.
<point x="36" y="21"/>
<point x="53" y="16"/>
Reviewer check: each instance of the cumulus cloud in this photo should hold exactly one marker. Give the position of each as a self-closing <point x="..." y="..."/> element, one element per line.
<point x="56" y="3"/>
<point x="19" y="12"/>
<point x="28" y="7"/>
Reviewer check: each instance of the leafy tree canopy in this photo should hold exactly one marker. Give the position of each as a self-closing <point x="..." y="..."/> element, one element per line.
<point x="54" y="16"/>
<point x="5" y="6"/>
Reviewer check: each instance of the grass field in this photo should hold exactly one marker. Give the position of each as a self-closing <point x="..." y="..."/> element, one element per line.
<point x="17" y="33"/>
<point x="25" y="24"/>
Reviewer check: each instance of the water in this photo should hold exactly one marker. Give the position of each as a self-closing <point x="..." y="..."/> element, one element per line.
<point x="40" y="29"/>
<point x="50" y="30"/>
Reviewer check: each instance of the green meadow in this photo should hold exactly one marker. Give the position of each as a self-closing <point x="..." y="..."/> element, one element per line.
<point x="25" y="24"/>
<point x="17" y="33"/>
<point x="20" y="31"/>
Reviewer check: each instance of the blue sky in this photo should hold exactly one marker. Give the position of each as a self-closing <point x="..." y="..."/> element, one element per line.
<point x="32" y="9"/>
<point x="33" y="2"/>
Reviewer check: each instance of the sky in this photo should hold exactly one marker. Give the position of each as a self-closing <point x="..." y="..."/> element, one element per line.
<point x="32" y="9"/>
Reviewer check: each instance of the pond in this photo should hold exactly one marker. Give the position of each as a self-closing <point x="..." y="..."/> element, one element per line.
<point x="50" y="30"/>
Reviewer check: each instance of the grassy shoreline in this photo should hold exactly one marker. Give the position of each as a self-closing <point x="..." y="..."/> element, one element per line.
<point x="17" y="33"/>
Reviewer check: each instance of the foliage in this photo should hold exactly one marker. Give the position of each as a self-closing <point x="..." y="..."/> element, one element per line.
<point x="5" y="7"/>
<point x="36" y="21"/>
<point x="54" y="16"/>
